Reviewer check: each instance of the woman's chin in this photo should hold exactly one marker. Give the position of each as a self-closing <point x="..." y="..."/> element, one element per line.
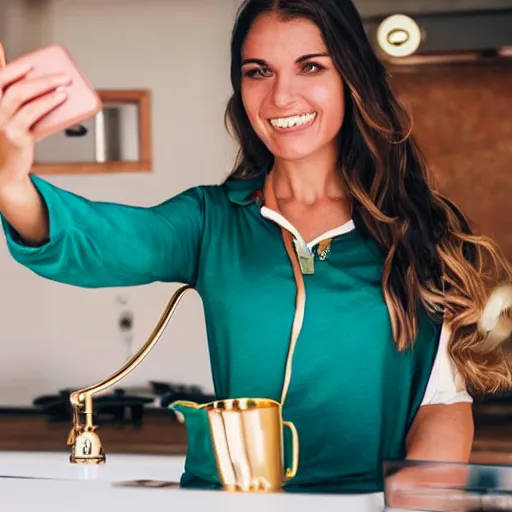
<point x="292" y="154"/>
<point x="301" y="150"/>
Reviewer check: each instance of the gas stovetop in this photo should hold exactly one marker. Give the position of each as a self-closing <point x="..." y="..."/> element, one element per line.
<point x="122" y="405"/>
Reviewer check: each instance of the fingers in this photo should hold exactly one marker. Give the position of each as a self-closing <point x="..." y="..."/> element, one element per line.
<point x="11" y="74"/>
<point x="35" y="110"/>
<point x="17" y="129"/>
<point x="26" y="91"/>
<point x="25" y="100"/>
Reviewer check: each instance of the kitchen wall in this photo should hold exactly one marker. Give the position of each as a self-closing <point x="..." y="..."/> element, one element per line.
<point x="54" y="336"/>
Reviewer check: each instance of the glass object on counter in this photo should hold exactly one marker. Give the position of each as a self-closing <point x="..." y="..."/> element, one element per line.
<point x="447" y="487"/>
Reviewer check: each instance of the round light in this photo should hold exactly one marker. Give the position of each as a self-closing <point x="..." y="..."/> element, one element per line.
<point x="399" y="36"/>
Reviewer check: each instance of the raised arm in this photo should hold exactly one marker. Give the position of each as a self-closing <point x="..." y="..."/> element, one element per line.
<point x="97" y="244"/>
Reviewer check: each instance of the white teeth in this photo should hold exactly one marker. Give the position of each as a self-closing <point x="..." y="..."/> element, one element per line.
<point x="290" y="122"/>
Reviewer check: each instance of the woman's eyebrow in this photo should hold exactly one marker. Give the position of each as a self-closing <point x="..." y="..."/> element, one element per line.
<point x="303" y="58"/>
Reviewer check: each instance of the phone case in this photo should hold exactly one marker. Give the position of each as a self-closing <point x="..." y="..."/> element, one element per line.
<point x="82" y="103"/>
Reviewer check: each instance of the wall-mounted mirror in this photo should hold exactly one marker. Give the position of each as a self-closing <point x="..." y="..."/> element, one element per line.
<point x="118" y="139"/>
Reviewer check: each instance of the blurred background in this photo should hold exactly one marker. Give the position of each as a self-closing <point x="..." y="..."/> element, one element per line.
<point x="162" y="67"/>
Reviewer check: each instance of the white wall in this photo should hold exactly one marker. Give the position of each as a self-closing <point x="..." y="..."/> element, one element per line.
<point x="54" y="336"/>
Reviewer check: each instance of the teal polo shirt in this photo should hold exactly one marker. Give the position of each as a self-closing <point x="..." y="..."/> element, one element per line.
<point x="352" y="396"/>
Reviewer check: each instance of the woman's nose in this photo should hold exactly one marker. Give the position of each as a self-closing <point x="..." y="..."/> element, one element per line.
<point x="283" y="94"/>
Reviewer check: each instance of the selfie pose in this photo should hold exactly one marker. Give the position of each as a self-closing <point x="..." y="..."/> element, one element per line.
<point x="394" y="281"/>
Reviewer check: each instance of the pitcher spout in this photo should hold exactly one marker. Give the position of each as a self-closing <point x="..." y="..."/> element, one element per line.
<point x="183" y="408"/>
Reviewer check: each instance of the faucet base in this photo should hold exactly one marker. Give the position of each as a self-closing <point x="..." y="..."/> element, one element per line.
<point x="96" y="461"/>
<point x="87" y="448"/>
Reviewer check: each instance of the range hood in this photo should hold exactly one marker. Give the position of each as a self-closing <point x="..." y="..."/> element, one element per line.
<point x="405" y="32"/>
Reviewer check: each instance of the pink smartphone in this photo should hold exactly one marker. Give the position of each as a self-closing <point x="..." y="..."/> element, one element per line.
<point x="82" y="103"/>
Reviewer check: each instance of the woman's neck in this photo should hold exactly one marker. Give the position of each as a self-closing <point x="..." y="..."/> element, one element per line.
<point x="308" y="181"/>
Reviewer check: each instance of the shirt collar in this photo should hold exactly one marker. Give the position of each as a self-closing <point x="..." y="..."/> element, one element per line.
<point x="246" y="192"/>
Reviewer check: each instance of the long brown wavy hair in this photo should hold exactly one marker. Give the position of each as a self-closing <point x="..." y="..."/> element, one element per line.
<point x="431" y="257"/>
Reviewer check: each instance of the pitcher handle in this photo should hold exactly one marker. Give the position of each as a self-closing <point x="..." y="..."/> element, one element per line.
<point x="291" y="472"/>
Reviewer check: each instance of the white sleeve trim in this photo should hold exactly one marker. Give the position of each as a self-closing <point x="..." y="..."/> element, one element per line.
<point x="445" y="385"/>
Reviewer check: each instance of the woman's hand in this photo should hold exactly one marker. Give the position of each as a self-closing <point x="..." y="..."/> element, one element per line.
<point x="23" y="101"/>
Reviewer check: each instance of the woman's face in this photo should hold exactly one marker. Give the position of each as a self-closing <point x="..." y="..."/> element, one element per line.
<point x="291" y="90"/>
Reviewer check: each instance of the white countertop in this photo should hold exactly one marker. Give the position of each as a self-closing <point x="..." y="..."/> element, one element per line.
<point x="42" y="481"/>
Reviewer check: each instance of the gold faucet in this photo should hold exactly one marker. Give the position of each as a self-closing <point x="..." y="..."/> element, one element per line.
<point x="86" y="447"/>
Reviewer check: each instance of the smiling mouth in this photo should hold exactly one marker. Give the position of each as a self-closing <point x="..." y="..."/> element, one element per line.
<point x="297" y="121"/>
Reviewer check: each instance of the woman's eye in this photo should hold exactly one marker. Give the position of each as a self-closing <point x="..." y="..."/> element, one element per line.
<point x="311" y="67"/>
<point x="258" y="73"/>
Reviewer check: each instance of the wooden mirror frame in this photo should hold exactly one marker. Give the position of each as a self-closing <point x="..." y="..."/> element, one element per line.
<point x="142" y="98"/>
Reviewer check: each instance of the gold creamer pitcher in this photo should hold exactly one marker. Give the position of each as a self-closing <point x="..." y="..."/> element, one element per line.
<point x="247" y="439"/>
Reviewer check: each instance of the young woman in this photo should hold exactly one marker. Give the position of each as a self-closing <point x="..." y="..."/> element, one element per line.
<point x="394" y="282"/>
